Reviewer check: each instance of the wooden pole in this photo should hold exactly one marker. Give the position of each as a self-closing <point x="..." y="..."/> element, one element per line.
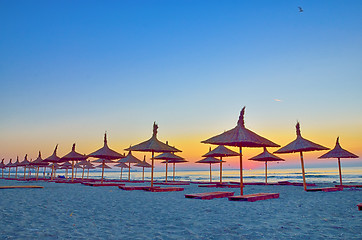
<point x="16" y="172"/>
<point x="266" y="172"/>
<point x="143" y="173"/>
<point x="121" y="173"/>
<point x="88" y="174"/>
<point x="340" y="171"/>
<point x="44" y="173"/>
<point x="72" y="170"/>
<point x="210" y="173"/>
<point x="220" y="170"/>
<point x="166" y="169"/>
<point x="302" y="163"/>
<point x="152" y="169"/>
<point x="102" y="171"/>
<point x="9" y="172"/>
<point x="24" y="172"/>
<point x="75" y="174"/>
<point x="66" y="174"/>
<point x="37" y="173"/>
<point x="129" y="171"/>
<point x="51" y="175"/>
<point x="241" y="171"/>
<point x="174" y="166"/>
<point x="83" y="173"/>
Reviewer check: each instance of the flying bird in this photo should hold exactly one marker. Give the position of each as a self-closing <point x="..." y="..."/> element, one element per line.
<point x="300" y="9"/>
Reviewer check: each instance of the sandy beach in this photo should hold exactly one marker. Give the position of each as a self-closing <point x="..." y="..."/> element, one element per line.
<point x="75" y="211"/>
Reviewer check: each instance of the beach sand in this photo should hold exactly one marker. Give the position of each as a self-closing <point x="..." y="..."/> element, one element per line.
<point x="75" y="211"/>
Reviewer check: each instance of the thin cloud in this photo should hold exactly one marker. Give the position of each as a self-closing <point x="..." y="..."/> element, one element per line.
<point x="277" y="100"/>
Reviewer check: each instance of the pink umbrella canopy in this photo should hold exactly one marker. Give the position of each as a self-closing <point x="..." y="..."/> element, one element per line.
<point x="39" y="161"/>
<point x="66" y="165"/>
<point x="106" y="154"/>
<point x="301" y="145"/>
<point x="2" y="165"/>
<point x="209" y="160"/>
<point x="153" y="145"/>
<point x="240" y="137"/>
<point x="338" y="152"/>
<point x="121" y="165"/>
<point x="102" y="160"/>
<point x="266" y="157"/>
<point x="103" y="166"/>
<point x="25" y="162"/>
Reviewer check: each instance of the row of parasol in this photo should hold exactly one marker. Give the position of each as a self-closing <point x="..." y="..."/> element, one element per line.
<point x="239" y="137"/>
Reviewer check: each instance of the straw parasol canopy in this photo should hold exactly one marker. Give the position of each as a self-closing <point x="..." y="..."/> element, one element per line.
<point x="103" y="166"/>
<point x="105" y="153"/>
<point x="240" y="137"/>
<point x="129" y="159"/>
<point x="301" y="145"/>
<point x="221" y="151"/>
<point x="153" y="145"/>
<point x="266" y="157"/>
<point x="338" y="152"/>
<point x="53" y="159"/>
<point x="143" y="164"/>
<point x="209" y="160"/>
<point x="168" y="156"/>
<point x="73" y="156"/>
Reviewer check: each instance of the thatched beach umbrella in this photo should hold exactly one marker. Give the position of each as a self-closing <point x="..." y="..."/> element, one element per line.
<point x="221" y="151"/>
<point x="122" y="165"/>
<point x="174" y="165"/>
<point x="209" y="160"/>
<point x="168" y="156"/>
<point x="301" y="145"/>
<point x="82" y="165"/>
<point x="153" y="145"/>
<point x="129" y="159"/>
<point x="9" y="165"/>
<point x="2" y="166"/>
<point x="105" y="153"/>
<point x="266" y="157"/>
<point x="53" y="159"/>
<point x="240" y="137"/>
<point x="73" y="156"/>
<point x="54" y="167"/>
<point x="338" y="152"/>
<point x="143" y="164"/>
<point x="24" y="164"/>
<point x="66" y="166"/>
<point x="16" y="165"/>
<point x="39" y="162"/>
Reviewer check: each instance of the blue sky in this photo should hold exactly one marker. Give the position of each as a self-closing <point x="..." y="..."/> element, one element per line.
<point x="70" y="70"/>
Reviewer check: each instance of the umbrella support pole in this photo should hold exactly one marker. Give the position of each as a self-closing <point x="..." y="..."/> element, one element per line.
<point x="210" y="174"/>
<point x="66" y="174"/>
<point x="44" y="172"/>
<point x="266" y="172"/>
<point x="303" y="172"/>
<point x="16" y="172"/>
<point x="37" y="173"/>
<point x="83" y="173"/>
<point x="24" y="172"/>
<point x="340" y="171"/>
<point x="153" y="153"/>
<point x="143" y="174"/>
<point x="220" y="170"/>
<point x="166" y="169"/>
<point x="51" y="175"/>
<point x="88" y="174"/>
<point x="75" y="175"/>
<point x="9" y="172"/>
<point x="121" y="173"/>
<point x="241" y="171"/>
<point x="102" y="172"/>
<point x="72" y="171"/>
<point x="129" y="172"/>
<point x="174" y="171"/>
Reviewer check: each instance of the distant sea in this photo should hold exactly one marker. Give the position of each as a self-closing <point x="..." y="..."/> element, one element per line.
<point x="313" y="175"/>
